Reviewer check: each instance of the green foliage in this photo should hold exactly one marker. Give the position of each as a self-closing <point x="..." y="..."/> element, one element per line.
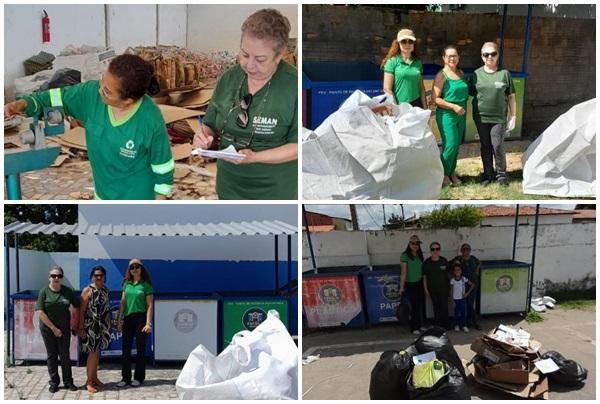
<point x="578" y="305"/>
<point x="448" y="217"/>
<point x="395" y="222"/>
<point x="43" y="214"/>
<point x="534" y="317"/>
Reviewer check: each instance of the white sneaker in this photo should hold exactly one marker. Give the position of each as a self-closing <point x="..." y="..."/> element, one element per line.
<point x="466" y="329"/>
<point x="122" y="383"/>
<point x="416" y="332"/>
<point x="456" y="328"/>
<point x="136" y="383"/>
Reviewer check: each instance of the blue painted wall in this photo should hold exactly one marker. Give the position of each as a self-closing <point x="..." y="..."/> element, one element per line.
<point x="193" y="276"/>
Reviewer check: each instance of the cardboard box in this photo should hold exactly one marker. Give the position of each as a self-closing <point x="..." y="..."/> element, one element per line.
<point x="533" y="389"/>
<point x="492" y="353"/>
<point x="515" y="372"/>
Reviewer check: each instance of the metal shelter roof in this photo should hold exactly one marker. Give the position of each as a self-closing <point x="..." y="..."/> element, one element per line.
<point x="253" y="228"/>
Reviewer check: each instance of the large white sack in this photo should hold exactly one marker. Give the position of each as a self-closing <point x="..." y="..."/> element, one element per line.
<point x="562" y="161"/>
<point x="357" y="154"/>
<point x="257" y="365"/>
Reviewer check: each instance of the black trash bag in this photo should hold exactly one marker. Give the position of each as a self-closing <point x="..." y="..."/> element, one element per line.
<point x="388" y="377"/>
<point x="452" y="386"/>
<point x="403" y="311"/>
<point x="62" y="78"/>
<point x="436" y="339"/>
<point x="570" y="373"/>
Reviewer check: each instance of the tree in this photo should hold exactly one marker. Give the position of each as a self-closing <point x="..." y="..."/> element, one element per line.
<point x="43" y="214"/>
<point x="395" y="222"/>
<point x="452" y="218"/>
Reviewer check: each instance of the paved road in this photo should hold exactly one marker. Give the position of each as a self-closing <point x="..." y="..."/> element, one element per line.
<point x="30" y="382"/>
<point x="349" y="355"/>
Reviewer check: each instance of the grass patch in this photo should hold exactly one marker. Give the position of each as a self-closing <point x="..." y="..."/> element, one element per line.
<point x="534" y="317"/>
<point x="588" y="305"/>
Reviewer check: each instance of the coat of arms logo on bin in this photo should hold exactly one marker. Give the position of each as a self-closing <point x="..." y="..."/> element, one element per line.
<point x="330" y="294"/>
<point x="390" y="288"/>
<point x="185" y="320"/>
<point x="253" y="317"/>
<point x="504" y="283"/>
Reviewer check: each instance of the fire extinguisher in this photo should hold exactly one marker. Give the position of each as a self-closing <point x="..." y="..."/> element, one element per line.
<point x="45" y="28"/>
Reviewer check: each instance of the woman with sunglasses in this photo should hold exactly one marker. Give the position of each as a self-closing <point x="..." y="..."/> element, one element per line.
<point x="403" y="71"/>
<point x="55" y="325"/>
<point x="94" y="325"/>
<point x="450" y="94"/>
<point x="125" y="133"/>
<point x="494" y="112"/>
<point x="136" y="306"/>
<point x="411" y="282"/>
<point x="436" y="284"/>
<point x="254" y="108"/>
<point x="471" y="267"/>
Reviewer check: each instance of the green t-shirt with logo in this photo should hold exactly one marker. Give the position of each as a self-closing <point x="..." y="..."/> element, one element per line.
<point x="490" y="93"/>
<point x="135" y="296"/>
<point x="130" y="158"/>
<point x="406" y="78"/>
<point x="414" y="267"/>
<point x="273" y="117"/>
<point x="56" y="306"/>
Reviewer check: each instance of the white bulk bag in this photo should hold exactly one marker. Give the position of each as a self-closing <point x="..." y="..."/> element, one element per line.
<point x="357" y="154"/>
<point x="257" y="365"/>
<point x="562" y="161"/>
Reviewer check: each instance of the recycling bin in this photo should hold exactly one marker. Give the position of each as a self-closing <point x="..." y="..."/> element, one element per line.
<point x="332" y="297"/>
<point x="504" y="286"/>
<point x="381" y="288"/>
<point x="247" y="312"/>
<point x="183" y="323"/>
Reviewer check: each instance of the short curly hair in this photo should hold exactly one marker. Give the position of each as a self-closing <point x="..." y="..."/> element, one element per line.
<point x="136" y="76"/>
<point x="268" y="23"/>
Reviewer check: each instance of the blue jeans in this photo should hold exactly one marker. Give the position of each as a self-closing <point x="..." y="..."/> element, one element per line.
<point x="460" y="312"/>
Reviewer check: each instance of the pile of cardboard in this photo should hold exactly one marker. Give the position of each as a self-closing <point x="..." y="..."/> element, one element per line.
<point x="505" y="361"/>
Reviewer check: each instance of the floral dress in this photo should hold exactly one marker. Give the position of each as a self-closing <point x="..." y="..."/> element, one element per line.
<point x="97" y="321"/>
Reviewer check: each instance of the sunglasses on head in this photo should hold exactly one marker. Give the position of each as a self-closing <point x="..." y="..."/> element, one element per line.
<point x="492" y="54"/>
<point x="407" y="42"/>
<point x="242" y="118"/>
<point x="55" y="276"/>
<point x="435" y="248"/>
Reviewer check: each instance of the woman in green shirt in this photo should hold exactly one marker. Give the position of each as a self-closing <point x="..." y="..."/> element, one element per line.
<point x="450" y="94"/>
<point x="136" y="305"/>
<point x="494" y="112"/>
<point x="55" y="326"/>
<point x="411" y="282"/>
<point x="125" y="133"/>
<point x="403" y="71"/>
<point x="254" y="108"/>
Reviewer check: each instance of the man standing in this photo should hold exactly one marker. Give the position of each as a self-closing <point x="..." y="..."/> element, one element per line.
<point x="436" y="283"/>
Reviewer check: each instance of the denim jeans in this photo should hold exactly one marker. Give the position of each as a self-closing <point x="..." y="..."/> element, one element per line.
<point x="460" y="312"/>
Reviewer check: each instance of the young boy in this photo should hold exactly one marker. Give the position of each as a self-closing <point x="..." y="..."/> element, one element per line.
<point x="457" y="291"/>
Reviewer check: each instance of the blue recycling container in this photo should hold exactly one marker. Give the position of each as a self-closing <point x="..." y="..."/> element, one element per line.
<point x="332" y="297"/>
<point x="381" y="288"/>
<point x="328" y="84"/>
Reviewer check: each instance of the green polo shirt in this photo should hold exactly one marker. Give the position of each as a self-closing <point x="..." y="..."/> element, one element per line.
<point x="273" y="117"/>
<point x="135" y="297"/>
<point x="438" y="278"/>
<point x="414" y="267"/>
<point x="56" y="306"/>
<point x="490" y="93"/>
<point x="406" y="78"/>
<point x="130" y="158"/>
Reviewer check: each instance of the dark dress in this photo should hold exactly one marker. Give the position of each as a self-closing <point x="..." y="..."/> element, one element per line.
<point x="97" y="320"/>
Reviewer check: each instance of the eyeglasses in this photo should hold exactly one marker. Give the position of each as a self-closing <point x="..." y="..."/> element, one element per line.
<point x="452" y="56"/>
<point x="55" y="276"/>
<point x="435" y="248"/>
<point x="407" y="42"/>
<point x="487" y="55"/>
<point x="135" y="266"/>
<point x="465" y="249"/>
<point x="98" y="276"/>
<point x="415" y="243"/>
<point x="242" y="118"/>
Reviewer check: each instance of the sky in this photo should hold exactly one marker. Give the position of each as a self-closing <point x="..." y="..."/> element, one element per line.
<point x="370" y="217"/>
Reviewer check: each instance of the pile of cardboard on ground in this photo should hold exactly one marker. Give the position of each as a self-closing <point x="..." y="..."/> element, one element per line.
<point x="505" y="361"/>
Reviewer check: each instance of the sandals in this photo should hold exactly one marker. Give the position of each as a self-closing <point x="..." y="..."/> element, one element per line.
<point x="89" y="386"/>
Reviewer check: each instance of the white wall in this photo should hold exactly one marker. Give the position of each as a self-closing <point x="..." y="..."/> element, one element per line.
<point x="218" y="27"/>
<point x="172" y="24"/>
<point x="131" y="25"/>
<point x="523" y="220"/>
<point x="34" y="266"/>
<point x="565" y="252"/>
